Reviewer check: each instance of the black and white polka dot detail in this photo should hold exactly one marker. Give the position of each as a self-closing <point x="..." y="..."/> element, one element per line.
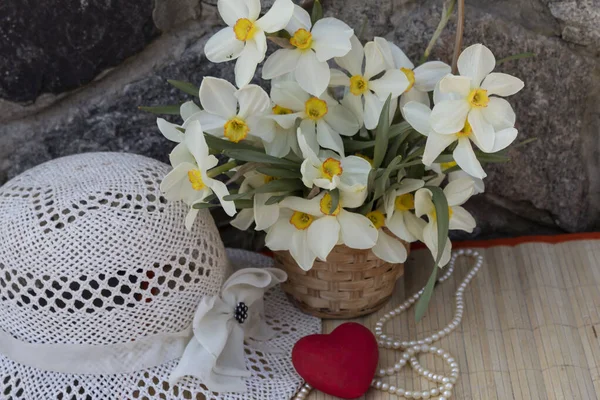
<point x="241" y="312"/>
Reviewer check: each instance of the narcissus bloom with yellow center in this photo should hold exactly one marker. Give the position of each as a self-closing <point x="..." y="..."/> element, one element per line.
<point x="419" y="117"/>
<point x="312" y="47"/>
<point x="323" y="118"/>
<point x="457" y="193"/>
<point x="422" y="79"/>
<point x="388" y="248"/>
<point x="188" y="181"/>
<point x="278" y="134"/>
<point x="330" y="171"/>
<point x="366" y="96"/>
<point x="229" y="112"/>
<point x="264" y="215"/>
<point x="399" y="206"/>
<point x="471" y="97"/>
<point x="310" y="229"/>
<point x="244" y="39"/>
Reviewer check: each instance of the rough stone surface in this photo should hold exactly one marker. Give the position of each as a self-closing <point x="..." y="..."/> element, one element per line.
<point x="57" y="45"/>
<point x="169" y="14"/>
<point x="581" y="20"/>
<point x="550" y="186"/>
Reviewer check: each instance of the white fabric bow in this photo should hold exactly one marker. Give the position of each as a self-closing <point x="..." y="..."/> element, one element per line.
<point x="215" y="354"/>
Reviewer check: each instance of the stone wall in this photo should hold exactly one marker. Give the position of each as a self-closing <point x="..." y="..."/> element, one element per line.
<point x="71" y="82"/>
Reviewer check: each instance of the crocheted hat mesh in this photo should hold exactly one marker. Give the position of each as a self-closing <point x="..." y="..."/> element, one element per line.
<point x="91" y="253"/>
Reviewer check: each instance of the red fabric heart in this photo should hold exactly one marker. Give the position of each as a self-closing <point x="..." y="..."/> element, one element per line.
<point x="341" y="364"/>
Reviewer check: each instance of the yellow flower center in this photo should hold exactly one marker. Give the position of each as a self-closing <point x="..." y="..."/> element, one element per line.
<point x="434" y="214"/>
<point x="410" y="75"/>
<point x="269" y="178"/>
<point x="465" y="132"/>
<point x="195" y="177"/>
<point x="236" y="129"/>
<point x="330" y="168"/>
<point x="278" y="110"/>
<point x="244" y="29"/>
<point x="315" y="108"/>
<point x="405" y="202"/>
<point x="478" y="98"/>
<point x="377" y="219"/>
<point x="448" y="165"/>
<point x="369" y="159"/>
<point x="301" y="220"/>
<point x="358" y="85"/>
<point x="325" y="205"/>
<point x="302" y="39"/>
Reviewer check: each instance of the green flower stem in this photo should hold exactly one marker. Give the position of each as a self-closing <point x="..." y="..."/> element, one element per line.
<point x="221" y="168"/>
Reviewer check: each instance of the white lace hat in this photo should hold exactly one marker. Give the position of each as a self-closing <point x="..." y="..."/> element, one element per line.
<point x="100" y="281"/>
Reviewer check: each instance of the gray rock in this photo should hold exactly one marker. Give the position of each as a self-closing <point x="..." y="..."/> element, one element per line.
<point x="581" y="20"/>
<point x="169" y="14"/>
<point x="58" y="45"/>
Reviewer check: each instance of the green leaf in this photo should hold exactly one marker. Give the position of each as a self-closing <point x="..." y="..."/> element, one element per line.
<point x="401" y="129"/>
<point x="381" y="182"/>
<point x="515" y="57"/>
<point x="276" y="199"/>
<point x="442" y="219"/>
<point x="238" y="196"/>
<point x="317" y="12"/>
<point x="444" y="158"/>
<point x="279" y="172"/>
<point x="240" y="204"/>
<point x="499" y="157"/>
<point x="173" y="109"/>
<point x="423" y="302"/>
<point x="524" y="142"/>
<point x="185" y="87"/>
<point x="392" y="151"/>
<point x="200" y="206"/>
<point x="219" y="144"/>
<point x="280" y="185"/>
<point x="446" y="14"/>
<point x="256" y="156"/>
<point x="382" y="134"/>
<point x="335" y="200"/>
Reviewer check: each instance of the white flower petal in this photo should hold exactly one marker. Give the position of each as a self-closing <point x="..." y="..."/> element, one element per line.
<point x="329" y="138"/>
<point x="434" y="146"/>
<point x="311" y="207"/>
<point x="217" y="96"/>
<point x="373" y="107"/>
<point x="414" y="225"/>
<point x="418" y="115"/>
<point x="223" y="46"/>
<point x="253" y="9"/>
<point x="353" y="61"/>
<point x="281" y="62"/>
<point x="307" y="139"/>
<point x="253" y="101"/>
<point x="476" y="62"/>
<point x="280" y="235"/>
<point x="389" y="249"/>
<point x="400" y="59"/>
<point x="221" y="191"/>
<point x="430" y="237"/>
<point x="386" y="51"/>
<point x="195" y="142"/>
<point x="312" y="75"/>
<point x="355" y="105"/>
<point x="461" y="219"/>
<point x="280" y="145"/>
<point x="211" y="123"/>
<point x="232" y="10"/>
<point x="264" y="215"/>
<point x="414" y="95"/>
<point x="331" y="38"/>
<point x="355" y="176"/>
<point x="502" y="84"/>
<point x="427" y="75"/>
<point x="482" y="130"/>
<point x="465" y="158"/>
<point x="243" y="219"/>
<point x="300" y="20"/>
<point x="245" y="66"/>
<point x="397" y="225"/>
<point x="423" y="203"/>
<point x="277" y="17"/>
<point x="439" y="96"/>
<point x="458" y="191"/>
<point x="409" y="185"/>
<point x="188" y="109"/>
<point x="285" y="121"/>
<point x="341" y="120"/>
<point x="323" y="234"/>
<point x="393" y="82"/>
<point x="169" y="130"/>
<point x="300" y="250"/>
<point x="499" y="113"/>
<point x="504" y="138"/>
<point x="181" y="154"/>
<point x="338" y="78"/>
<point x="289" y="95"/>
<point x="190" y="218"/>
<point x="478" y="183"/>
<point x="357" y="231"/>
<point x="265" y="129"/>
<point x="449" y="116"/>
<point x="456" y="84"/>
<point x="374" y="61"/>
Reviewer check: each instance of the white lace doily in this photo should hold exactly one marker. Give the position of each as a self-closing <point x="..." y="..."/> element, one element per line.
<point x="91" y="254"/>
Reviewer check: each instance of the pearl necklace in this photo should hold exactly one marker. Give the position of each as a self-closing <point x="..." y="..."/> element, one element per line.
<point x="411" y="349"/>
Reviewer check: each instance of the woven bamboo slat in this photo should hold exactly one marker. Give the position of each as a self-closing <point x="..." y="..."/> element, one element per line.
<point x="530" y="331"/>
<point x="350" y="284"/>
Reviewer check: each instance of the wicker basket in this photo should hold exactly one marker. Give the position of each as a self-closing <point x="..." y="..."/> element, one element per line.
<point x="350" y="284"/>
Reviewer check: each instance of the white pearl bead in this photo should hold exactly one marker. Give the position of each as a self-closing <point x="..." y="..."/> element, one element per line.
<point x="408" y="394"/>
<point x="385" y="387"/>
<point x="391" y="371"/>
<point x="400" y="392"/>
<point x="447" y="394"/>
<point x="426" y="394"/>
<point x="392" y="389"/>
<point x="445" y="380"/>
<point x="448" y="386"/>
<point x="434" y="391"/>
<point x="378" y="385"/>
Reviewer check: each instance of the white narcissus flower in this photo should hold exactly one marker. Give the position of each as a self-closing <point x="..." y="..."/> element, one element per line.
<point x="324" y="229"/>
<point x="387" y="248"/>
<point x="188" y="181"/>
<point x="442" y="169"/>
<point x="244" y="39"/>
<point x="399" y="205"/>
<point x="278" y="139"/>
<point x="313" y="46"/>
<point x="467" y="99"/>
<point x="323" y="118"/>
<point x="419" y="117"/>
<point x="422" y="79"/>
<point x="366" y="96"/>
<point x="457" y="193"/>
<point x="330" y="171"/>
<point x="264" y="215"/>
<point x="221" y="115"/>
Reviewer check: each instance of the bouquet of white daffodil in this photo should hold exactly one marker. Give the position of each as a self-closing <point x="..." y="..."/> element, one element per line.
<point x="346" y="148"/>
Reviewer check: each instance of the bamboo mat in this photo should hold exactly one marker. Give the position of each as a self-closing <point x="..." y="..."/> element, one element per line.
<point x="530" y="329"/>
